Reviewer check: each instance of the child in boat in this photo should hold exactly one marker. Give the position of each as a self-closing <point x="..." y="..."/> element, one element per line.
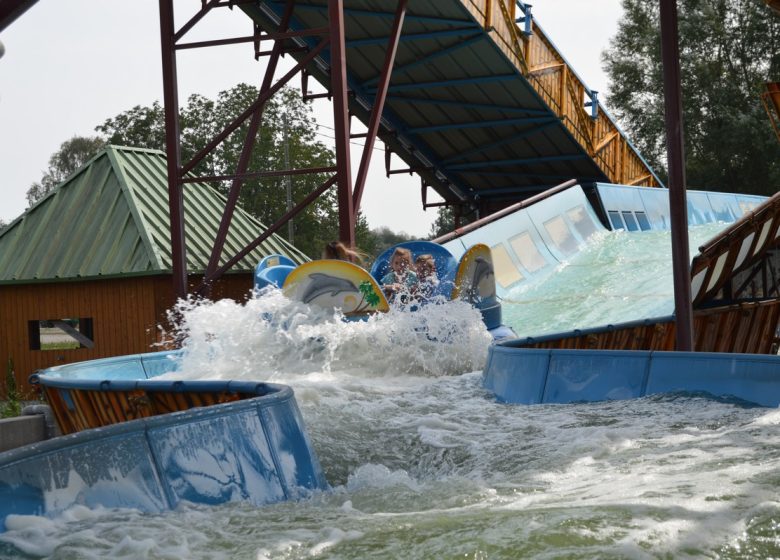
<point x="338" y="251"/>
<point x="428" y="280"/>
<point x="401" y="278"/>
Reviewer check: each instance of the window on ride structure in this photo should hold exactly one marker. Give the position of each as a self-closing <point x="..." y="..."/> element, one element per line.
<point x="616" y="220"/>
<point x="60" y="334"/>
<point x="631" y="224"/>
<point x="644" y="224"/>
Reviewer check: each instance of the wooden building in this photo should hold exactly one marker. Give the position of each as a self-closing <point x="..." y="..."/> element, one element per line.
<point x="85" y="273"/>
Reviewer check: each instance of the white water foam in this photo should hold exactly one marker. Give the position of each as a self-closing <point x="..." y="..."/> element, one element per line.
<point x="272" y="338"/>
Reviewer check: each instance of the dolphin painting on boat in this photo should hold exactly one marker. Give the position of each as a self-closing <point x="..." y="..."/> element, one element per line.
<point x="483" y="283"/>
<point x="334" y="284"/>
<point x="322" y="284"/>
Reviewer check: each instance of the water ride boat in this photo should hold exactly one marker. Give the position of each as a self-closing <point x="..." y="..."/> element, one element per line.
<point x="332" y="284"/>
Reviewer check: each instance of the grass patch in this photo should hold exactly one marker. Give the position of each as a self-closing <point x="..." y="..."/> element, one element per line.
<point x="60" y="345"/>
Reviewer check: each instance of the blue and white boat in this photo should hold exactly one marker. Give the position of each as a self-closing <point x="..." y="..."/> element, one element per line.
<point x="357" y="292"/>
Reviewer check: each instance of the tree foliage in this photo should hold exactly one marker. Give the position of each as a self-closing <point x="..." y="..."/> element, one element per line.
<point x="202" y="118"/>
<point x="728" y="50"/>
<point x="72" y="154"/>
<point x="386" y="238"/>
<point x="444" y="222"/>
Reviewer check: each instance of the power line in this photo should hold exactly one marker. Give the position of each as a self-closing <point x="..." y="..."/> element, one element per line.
<point x="333" y="137"/>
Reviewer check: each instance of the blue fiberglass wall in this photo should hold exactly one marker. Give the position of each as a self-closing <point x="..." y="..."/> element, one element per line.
<point x="529" y="243"/>
<point x="534" y="376"/>
<point x="254" y="450"/>
<point x="643" y="208"/>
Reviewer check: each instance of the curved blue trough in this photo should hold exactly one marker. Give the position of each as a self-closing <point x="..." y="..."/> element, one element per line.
<point x="254" y="449"/>
<point x="538" y="375"/>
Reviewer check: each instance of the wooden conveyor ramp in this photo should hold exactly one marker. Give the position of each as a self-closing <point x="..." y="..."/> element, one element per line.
<point x="480" y="104"/>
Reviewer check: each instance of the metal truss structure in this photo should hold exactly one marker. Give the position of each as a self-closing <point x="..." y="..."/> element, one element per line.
<point x="470" y="94"/>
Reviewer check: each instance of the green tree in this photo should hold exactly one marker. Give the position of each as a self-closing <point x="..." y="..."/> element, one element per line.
<point x="444" y="222"/>
<point x="385" y="238"/>
<point x="139" y="127"/>
<point x="265" y="198"/>
<point x="728" y="50"/>
<point x="72" y="154"/>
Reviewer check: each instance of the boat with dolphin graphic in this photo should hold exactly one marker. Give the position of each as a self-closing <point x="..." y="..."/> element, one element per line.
<point x="336" y="284"/>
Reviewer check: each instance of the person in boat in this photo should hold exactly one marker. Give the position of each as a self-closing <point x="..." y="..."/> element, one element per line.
<point x="402" y="279"/>
<point x="336" y="250"/>
<point x="427" y="278"/>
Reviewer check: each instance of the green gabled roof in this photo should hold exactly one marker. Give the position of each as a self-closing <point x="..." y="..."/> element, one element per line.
<point x="111" y="218"/>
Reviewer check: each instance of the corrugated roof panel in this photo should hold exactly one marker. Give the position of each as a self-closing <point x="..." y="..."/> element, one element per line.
<point x="112" y="218"/>
<point x="38" y="239"/>
<point x="203" y="207"/>
<point x="93" y="218"/>
<point x="125" y="167"/>
<point x="124" y="252"/>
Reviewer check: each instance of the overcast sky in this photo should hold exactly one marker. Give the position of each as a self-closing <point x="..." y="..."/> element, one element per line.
<point x="71" y="64"/>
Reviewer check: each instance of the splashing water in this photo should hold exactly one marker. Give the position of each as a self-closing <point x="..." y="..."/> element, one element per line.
<point x="275" y="339"/>
<point x="423" y="462"/>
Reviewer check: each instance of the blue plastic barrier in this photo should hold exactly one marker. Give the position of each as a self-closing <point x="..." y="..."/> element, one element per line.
<point x="253" y="450"/>
<point x="131" y="366"/>
<point x="535" y="376"/>
<point x="528" y="244"/>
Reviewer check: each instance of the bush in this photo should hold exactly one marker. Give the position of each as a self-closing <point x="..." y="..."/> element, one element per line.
<point x="12" y="406"/>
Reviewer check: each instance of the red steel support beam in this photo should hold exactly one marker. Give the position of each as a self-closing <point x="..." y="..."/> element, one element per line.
<point x="251" y="109"/>
<point x="194" y="19"/>
<point x="249" y="143"/>
<point x="267" y="233"/>
<point x="277" y="173"/>
<point x="172" y="149"/>
<point x="338" y="87"/>
<point x="675" y="150"/>
<point x="253" y="38"/>
<point x="379" y="104"/>
<point x="10" y="10"/>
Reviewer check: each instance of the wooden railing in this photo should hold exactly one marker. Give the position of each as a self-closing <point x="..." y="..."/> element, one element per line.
<point x="743" y="328"/>
<point x="558" y="85"/>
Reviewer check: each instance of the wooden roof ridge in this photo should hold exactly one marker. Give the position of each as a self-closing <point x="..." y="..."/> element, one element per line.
<point x="126" y="187"/>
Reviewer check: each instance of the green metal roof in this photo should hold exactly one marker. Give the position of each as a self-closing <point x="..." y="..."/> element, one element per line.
<point x="111" y="218"/>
